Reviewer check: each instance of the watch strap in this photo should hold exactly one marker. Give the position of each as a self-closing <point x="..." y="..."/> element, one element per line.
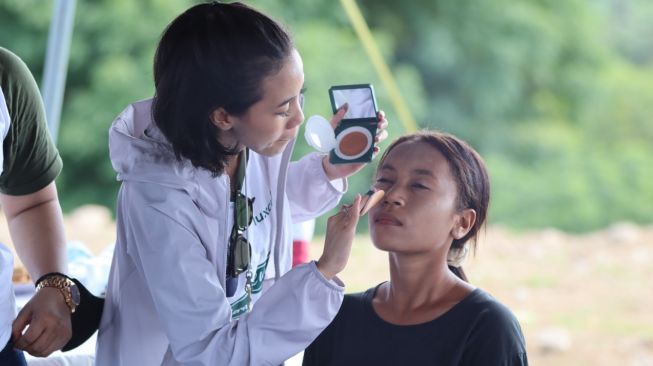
<point x="63" y="284"/>
<point x="36" y="284"/>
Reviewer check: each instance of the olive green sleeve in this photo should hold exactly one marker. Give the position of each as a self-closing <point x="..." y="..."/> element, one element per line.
<point x="31" y="160"/>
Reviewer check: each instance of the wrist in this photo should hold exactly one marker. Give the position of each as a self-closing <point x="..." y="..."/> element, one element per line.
<point x="328" y="168"/>
<point x="53" y="295"/>
<point x="325" y="272"/>
<point x="64" y="285"/>
<point x="49" y="274"/>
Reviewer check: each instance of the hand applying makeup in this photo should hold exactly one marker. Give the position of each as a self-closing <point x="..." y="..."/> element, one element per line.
<point x="341" y="229"/>
<point x="334" y="171"/>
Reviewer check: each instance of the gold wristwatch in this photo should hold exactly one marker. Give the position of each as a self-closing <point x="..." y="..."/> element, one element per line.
<point x="66" y="286"/>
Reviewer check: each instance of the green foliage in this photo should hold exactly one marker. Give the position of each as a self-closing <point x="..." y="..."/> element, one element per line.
<point x="110" y="66"/>
<point x="629" y="28"/>
<point x="558" y="176"/>
<point x="557" y="95"/>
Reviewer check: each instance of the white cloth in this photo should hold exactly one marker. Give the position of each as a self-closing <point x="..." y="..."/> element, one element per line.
<point x="7" y="300"/>
<point x="5" y="121"/>
<point x="304" y="230"/>
<point x="165" y="301"/>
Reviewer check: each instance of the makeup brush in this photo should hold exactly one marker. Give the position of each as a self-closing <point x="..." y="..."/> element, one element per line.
<point x="370" y="199"/>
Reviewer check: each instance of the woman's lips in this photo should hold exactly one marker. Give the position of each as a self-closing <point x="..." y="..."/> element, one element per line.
<point x="387" y="219"/>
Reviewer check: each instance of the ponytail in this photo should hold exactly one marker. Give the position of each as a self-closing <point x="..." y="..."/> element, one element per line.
<point x="459" y="272"/>
<point x="455" y="259"/>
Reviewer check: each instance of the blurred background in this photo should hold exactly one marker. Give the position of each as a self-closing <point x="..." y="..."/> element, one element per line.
<point x="557" y="96"/>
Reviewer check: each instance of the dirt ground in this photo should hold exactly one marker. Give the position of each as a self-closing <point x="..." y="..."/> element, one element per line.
<point x="581" y="299"/>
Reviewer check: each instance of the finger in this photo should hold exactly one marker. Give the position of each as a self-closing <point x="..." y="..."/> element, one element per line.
<point x="382" y="125"/>
<point x="30" y="336"/>
<point x="19" y="324"/>
<point x="381" y="136"/>
<point x="344" y="210"/>
<point x="41" y="344"/>
<point x="50" y="341"/>
<point x="380" y="115"/>
<point x="340" y="114"/>
<point x="355" y="208"/>
<point x="366" y="198"/>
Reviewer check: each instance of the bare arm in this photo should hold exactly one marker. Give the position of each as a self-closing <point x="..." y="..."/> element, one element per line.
<point x="36" y="226"/>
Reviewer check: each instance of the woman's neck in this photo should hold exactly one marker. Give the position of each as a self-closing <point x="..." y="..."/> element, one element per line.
<point x="421" y="288"/>
<point x="231" y="170"/>
<point x="418" y="279"/>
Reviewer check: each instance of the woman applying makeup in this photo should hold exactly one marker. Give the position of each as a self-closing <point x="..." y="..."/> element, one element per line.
<point x="201" y="271"/>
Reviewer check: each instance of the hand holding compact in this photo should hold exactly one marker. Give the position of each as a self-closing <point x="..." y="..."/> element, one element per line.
<point x="317" y="127"/>
<point x="344" y="169"/>
<point x="352" y="136"/>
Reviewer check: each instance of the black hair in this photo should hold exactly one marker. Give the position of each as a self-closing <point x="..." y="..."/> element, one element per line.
<point x="212" y="56"/>
<point x="470" y="173"/>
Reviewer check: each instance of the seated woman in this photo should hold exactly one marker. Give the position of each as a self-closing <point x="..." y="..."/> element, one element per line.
<point x="437" y="195"/>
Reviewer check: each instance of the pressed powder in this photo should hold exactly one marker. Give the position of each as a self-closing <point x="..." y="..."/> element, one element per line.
<point x="353" y="143"/>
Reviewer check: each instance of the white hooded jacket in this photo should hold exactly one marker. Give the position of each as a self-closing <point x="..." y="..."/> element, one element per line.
<point x="165" y="301"/>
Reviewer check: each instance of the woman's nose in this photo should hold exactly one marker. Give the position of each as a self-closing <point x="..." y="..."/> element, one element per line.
<point x="393" y="196"/>
<point x="298" y="118"/>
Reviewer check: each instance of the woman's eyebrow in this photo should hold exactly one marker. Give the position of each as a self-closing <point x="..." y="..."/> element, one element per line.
<point x="291" y="98"/>
<point x="425" y="172"/>
<point x="286" y="101"/>
<point x="387" y="167"/>
<point x="419" y="171"/>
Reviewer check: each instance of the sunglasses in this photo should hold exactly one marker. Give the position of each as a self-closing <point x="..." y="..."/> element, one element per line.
<point x="240" y="250"/>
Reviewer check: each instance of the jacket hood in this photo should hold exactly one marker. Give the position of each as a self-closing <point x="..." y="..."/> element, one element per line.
<point x="140" y="152"/>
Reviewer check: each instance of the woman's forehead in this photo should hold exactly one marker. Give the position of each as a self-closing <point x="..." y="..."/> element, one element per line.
<point x="413" y="152"/>
<point x="285" y="83"/>
<point x="417" y="157"/>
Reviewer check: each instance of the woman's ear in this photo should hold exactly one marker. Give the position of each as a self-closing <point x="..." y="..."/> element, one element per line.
<point x="221" y="119"/>
<point x="464" y="223"/>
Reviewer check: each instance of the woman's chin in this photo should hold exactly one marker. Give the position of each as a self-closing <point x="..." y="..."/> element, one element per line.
<point x="272" y="149"/>
<point x="385" y="245"/>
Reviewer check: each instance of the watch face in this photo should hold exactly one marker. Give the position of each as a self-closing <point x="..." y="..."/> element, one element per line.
<point x="74" y="293"/>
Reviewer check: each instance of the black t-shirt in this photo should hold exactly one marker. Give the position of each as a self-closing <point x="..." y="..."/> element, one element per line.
<point x="477" y="331"/>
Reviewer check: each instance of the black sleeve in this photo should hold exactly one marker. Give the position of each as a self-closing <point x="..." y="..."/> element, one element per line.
<point x="497" y="339"/>
<point x="328" y="348"/>
<point x="321" y="350"/>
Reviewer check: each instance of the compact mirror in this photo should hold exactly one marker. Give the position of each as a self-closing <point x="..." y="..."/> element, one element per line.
<point x="353" y="140"/>
<point x="360" y="100"/>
